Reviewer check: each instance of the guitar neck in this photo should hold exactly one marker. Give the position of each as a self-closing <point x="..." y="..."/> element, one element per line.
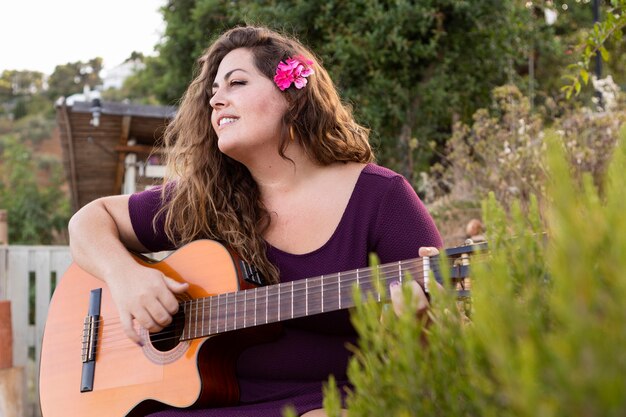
<point x="289" y="300"/>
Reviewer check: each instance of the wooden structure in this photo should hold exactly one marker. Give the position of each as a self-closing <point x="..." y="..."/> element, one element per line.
<point x="28" y="275"/>
<point x="102" y="142"/>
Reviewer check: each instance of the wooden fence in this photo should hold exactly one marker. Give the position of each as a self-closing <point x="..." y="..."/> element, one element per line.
<point x="28" y="276"/>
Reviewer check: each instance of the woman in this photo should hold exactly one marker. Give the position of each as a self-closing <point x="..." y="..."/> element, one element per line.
<point x="265" y="158"/>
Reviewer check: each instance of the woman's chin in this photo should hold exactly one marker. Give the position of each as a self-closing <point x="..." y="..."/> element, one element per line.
<point x="232" y="150"/>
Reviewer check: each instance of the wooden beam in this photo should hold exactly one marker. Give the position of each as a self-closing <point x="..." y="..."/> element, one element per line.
<point x="121" y="157"/>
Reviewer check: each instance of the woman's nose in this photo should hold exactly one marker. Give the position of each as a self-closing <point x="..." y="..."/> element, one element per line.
<point x="217" y="100"/>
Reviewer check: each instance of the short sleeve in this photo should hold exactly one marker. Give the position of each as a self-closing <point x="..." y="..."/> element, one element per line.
<point x="143" y="208"/>
<point x="403" y="224"/>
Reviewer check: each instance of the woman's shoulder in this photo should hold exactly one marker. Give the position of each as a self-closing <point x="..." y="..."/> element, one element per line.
<point x="376" y="179"/>
<point x="379" y="171"/>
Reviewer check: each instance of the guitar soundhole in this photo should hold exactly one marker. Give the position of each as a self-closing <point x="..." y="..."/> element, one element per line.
<point x="168" y="338"/>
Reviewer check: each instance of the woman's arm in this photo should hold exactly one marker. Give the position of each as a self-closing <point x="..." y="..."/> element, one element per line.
<point x="101" y="233"/>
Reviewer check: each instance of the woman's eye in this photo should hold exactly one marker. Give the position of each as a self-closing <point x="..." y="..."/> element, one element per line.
<point x="237" y="82"/>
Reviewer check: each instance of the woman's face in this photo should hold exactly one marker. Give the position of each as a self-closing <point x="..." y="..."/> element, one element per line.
<point x="247" y="108"/>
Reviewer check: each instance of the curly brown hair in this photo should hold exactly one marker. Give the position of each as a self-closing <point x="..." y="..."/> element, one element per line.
<point x="214" y="195"/>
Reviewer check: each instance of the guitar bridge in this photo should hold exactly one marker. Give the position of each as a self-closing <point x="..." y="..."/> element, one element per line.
<point x="90" y="341"/>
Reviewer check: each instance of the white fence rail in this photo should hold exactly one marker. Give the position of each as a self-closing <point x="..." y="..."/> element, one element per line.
<point x="28" y="275"/>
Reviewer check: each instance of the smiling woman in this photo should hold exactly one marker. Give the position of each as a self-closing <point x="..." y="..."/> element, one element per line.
<point x="265" y="158"/>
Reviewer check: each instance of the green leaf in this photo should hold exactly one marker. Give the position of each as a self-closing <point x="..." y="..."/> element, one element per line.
<point x="604" y="53"/>
<point x="585" y="75"/>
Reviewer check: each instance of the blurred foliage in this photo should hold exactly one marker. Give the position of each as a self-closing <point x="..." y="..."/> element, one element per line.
<point x="19" y="83"/>
<point x="547" y="331"/>
<point x="38" y="211"/>
<point x="30" y="181"/>
<point x="34" y="128"/>
<point x="609" y="30"/>
<point x="410" y="68"/>
<point x="72" y="77"/>
<point x="501" y="151"/>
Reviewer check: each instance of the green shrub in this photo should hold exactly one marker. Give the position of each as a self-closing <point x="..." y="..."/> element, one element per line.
<point x="548" y="326"/>
<point x="38" y="210"/>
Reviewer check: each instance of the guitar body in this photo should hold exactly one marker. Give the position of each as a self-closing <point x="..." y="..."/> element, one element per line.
<point x="129" y="379"/>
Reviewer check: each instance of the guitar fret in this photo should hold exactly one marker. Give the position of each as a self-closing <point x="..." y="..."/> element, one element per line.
<point x="322" y="291"/>
<point x="188" y="310"/>
<point x="195" y="327"/>
<point x="231" y="298"/>
<point x="345" y="290"/>
<point x="314" y="296"/>
<point x="284" y="301"/>
<point x="306" y="297"/>
<point x="245" y="309"/>
<point x="203" y="307"/>
<point x="244" y="314"/>
<point x="278" y="317"/>
<point x="377" y="290"/>
<point x="226" y="312"/>
<point x="266" y="302"/>
<point x="255" y="307"/>
<point x="217" y="314"/>
<point x="235" y="320"/>
<point x="199" y="314"/>
<point x="210" y="314"/>
<point x="291" y="299"/>
<point x="339" y="288"/>
<point x="273" y="304"/>
<point x="298" y="290"/>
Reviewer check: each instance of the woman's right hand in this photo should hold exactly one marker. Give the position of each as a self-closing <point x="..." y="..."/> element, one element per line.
<point x="101" y="235"/>
<point x="147" y="296"/>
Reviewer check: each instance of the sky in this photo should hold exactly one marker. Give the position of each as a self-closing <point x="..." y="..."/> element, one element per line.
<point x="38" y="35"/>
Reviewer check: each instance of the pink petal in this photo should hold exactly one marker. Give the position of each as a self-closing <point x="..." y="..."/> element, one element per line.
<point x="300" y="82"/>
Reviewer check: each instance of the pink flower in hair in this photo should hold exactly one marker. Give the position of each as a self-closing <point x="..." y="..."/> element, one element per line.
<point x="294" y="70"/>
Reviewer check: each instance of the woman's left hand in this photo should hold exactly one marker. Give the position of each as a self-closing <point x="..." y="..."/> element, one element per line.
<point x="419" y="301"/>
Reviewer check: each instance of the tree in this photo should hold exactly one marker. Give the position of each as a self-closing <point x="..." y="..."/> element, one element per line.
<point x="15" y="83"/>
<point x="595" y="43"/>
<point x="72" y="77"/>
<point x="22" y="93"/>
<point x="411" y="68"/>
<point x="36" y="212"/>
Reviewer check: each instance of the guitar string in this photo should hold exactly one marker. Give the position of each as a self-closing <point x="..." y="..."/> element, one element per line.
<point x="222" y="321"/>
<point x="112" y="336"/>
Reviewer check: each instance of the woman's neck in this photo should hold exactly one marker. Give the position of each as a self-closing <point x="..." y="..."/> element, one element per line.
<point x="276" y="174"/>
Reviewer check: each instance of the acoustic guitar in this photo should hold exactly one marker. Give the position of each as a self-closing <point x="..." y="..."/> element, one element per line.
<point x="90" y="368"/>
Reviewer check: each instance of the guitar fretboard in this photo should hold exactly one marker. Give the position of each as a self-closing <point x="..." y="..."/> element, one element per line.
<point x="289" y="300"/>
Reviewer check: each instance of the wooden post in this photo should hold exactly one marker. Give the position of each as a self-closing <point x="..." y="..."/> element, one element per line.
<point x="12" y="385"/>
<point x="12" y="392"/>
<point x="6" y="335"/>
<point x="4" y="228"/>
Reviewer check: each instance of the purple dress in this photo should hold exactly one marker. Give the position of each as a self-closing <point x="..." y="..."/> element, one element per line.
<point x="383" y="215"/>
